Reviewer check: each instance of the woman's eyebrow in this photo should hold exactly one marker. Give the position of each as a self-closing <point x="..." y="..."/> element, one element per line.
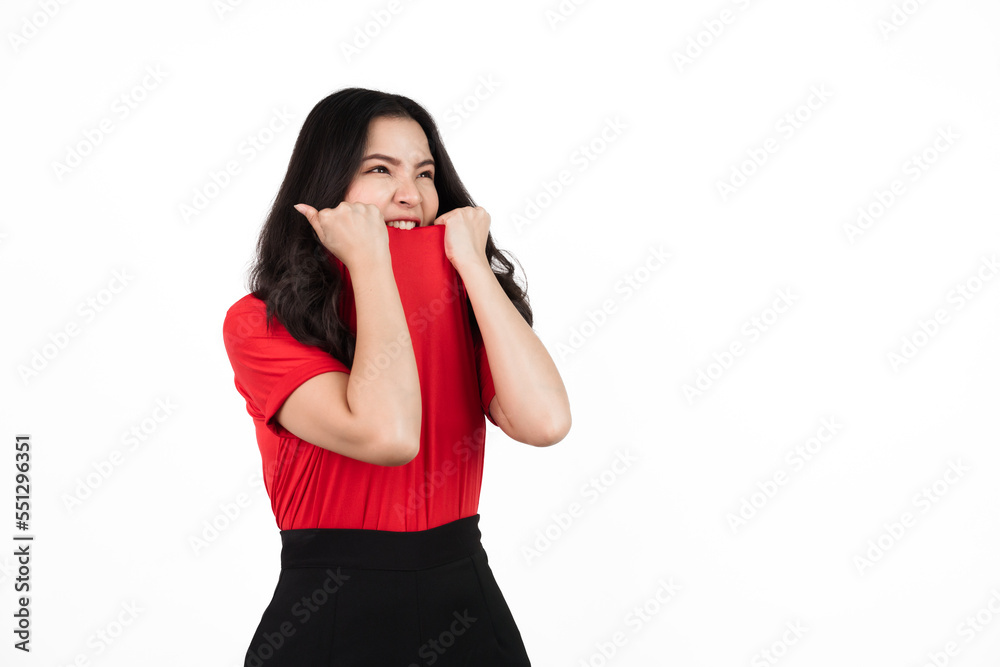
<point x="393" y="161"/>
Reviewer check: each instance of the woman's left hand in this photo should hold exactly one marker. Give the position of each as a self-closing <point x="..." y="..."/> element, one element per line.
<point x="465" y="235"/>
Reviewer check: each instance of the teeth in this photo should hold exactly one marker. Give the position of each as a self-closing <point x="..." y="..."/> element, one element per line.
<point x="402" y="224"/>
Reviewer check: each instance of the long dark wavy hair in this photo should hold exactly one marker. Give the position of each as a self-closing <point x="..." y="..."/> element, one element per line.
<point x="292" y="272"/>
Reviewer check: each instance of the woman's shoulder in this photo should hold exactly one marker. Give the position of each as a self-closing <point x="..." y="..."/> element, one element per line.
<point x="245" y="318"/>
<point x="247" y="304"/>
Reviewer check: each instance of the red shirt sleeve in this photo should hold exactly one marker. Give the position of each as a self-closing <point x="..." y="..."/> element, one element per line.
<point x="268" y="365"/>
<point x="486" y="389"/>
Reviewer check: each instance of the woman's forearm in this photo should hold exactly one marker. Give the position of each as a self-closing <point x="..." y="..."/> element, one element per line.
<point x="389" y="393"/>
<point x="528" y="386"/>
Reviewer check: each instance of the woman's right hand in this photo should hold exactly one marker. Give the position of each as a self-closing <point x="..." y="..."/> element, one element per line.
<point x="353" y="232"/>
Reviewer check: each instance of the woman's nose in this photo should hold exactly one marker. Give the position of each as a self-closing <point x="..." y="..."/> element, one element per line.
<point x="407" y="193"/>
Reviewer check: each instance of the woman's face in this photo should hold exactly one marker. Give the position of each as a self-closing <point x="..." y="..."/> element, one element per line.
<point x="397" y="173"/>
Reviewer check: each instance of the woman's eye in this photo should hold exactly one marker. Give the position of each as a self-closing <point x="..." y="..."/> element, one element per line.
<point x="429" y="174"/>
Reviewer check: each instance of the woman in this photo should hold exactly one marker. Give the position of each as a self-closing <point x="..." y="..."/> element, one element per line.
<point x="376" y="338"/>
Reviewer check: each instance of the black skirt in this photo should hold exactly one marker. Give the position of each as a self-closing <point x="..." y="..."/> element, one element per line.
<point x="350" y="597"/>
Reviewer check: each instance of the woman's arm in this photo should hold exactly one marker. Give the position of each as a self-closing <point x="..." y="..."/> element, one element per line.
<point x="535" y="405"/>
<point x="369" y="416"/>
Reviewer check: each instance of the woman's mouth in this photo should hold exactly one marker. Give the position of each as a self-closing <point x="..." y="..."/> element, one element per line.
<point x="403" y="224"/>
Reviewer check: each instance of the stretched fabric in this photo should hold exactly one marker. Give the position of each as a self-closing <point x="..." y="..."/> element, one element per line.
<point x="311" y="487"/>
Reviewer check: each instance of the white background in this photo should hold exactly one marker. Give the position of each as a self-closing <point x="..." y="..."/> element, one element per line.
<point x="893" y="76"/>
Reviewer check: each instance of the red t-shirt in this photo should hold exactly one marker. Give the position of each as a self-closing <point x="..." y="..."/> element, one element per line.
<point x="312" y="487"/>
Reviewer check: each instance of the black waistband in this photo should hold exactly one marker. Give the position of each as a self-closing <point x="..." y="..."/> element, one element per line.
<point x="380" y="549"/>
